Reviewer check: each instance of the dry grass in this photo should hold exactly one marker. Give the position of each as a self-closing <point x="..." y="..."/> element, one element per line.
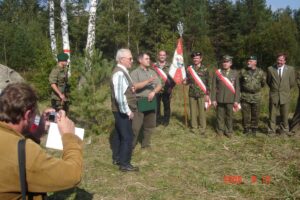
<point x="183" y="165"/>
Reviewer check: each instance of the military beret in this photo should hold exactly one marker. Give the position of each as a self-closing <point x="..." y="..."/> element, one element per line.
<point x="252" y="58"/>
<point x="62" y="57"/>
<point x="227" y="58"/>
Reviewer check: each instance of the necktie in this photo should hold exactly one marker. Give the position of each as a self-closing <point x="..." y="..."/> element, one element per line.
<point x="279" y="73"/>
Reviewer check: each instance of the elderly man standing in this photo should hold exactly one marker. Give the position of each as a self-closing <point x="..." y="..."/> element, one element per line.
<point x="162" y="69"/>
<point x="280" y="79"/>
<point x="58" y="79"/>
<point x="123" y="103"/>
<point x="225" y="95"/>
<point x="147" y="85"/>
<point x="41" y="172"/>
<point x="252" y="80"/>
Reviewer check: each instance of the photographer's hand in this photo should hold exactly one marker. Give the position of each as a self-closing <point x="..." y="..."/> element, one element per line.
<point x="65" y="125"/>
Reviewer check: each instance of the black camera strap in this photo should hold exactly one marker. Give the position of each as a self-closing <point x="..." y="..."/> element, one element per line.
<point x="22" y="167"/>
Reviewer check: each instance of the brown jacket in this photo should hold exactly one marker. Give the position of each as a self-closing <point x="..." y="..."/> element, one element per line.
<point x="44" y="173"/>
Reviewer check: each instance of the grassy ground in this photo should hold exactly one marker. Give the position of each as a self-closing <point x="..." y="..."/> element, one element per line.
<point x="185" y="165"/>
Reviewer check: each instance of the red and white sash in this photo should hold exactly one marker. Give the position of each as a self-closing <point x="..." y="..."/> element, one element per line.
<point x="197" y="79"/>
<point x="229" y="85"/>
<point x="160" y="72"/>
<point x="226" y="81"/>
<point x="200" y="84"/>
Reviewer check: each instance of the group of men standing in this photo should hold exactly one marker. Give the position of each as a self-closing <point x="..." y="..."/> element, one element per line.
<point x="136" y="98"/>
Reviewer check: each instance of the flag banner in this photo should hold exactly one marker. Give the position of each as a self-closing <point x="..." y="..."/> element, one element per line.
<point x="177" y="70"/>
<point x="160" y="72"/>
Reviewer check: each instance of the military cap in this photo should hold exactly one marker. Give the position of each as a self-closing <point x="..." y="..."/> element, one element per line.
<point x="227" y="58"/>
<point x="194" y="54"/>
<point x="62" y="57"/>
<point x="252" y="58"/>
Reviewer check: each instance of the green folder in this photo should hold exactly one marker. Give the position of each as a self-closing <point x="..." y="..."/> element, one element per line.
<point x="145" y="105"/>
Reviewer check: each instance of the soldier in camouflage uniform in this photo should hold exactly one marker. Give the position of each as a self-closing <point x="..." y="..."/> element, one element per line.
<point x="197" y="97"/>
<point x="165" y="93"/>
<point x="223" y="99"/>
<point x="58" y="79"/>
<point x="252" y="80"/>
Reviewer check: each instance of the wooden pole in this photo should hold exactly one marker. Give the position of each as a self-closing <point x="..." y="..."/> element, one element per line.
<point x="185" y="109"/>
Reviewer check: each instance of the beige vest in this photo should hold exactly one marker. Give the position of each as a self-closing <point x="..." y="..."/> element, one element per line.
<point x="130" y="96"/>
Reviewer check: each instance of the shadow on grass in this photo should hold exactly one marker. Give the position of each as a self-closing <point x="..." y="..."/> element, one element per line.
<point x="71" y="194"/>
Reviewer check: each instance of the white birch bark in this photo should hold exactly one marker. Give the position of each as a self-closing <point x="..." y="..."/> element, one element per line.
<point x="52" y="28"/>
<point x="91" y="33"/>
<point x="65" y="32"/>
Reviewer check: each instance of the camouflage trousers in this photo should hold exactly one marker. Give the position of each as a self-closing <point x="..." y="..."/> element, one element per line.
<point x="250" y="114"/>
<point x="59" y="105"/>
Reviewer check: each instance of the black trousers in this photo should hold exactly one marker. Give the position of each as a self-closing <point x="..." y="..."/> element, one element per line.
<point x="165" y="98"/>
<point x="122" y="139"/>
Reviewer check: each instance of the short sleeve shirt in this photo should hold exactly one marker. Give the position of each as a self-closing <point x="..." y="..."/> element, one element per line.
<point x="140" y="75"/>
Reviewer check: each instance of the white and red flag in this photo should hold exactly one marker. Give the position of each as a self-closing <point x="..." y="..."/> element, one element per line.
<point x="177" y="70"/>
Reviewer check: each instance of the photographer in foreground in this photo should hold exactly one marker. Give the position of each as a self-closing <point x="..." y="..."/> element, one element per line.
<point x="44" y="173"/>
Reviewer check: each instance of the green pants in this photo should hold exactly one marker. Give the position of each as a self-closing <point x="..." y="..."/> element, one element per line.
<point x="147" y="120"/>
<point x="197" y="112"/>
<point x="224" y="118"/>
<point x="250" y="114"/>
<point x="59" y="105"/>
<point x="284" y="114"/>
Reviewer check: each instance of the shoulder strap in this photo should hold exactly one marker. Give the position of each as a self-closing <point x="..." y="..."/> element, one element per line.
<point x="22" y="169"/>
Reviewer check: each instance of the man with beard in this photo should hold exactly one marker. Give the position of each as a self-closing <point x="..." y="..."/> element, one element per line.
<point x="43" y="173"/>
<point x="252" y="80"/>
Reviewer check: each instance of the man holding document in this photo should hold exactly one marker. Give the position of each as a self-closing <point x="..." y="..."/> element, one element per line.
<point x="41" y="172"/>
<point x="147" y="85"/>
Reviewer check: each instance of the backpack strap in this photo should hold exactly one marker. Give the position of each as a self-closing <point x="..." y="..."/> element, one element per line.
<point x="22" y="168"/>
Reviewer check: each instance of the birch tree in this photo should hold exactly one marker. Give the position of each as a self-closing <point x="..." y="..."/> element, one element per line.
<point x="52" y="28"/>
<point x="91" y="33"/>
<point x="65" y="32"/>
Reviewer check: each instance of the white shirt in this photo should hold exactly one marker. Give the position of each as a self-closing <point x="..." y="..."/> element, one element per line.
<point x="278" y="69"/>
<point x="120" y="86"/>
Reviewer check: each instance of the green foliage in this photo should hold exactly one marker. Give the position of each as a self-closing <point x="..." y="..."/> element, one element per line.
<point x="87" y="100"/>
<point x="160" y="31"/>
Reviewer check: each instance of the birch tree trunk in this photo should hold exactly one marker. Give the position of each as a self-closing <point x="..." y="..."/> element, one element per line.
<point x="65" y="32"/>
<point x="52" y="28"/>
<point x="91" y="33"/>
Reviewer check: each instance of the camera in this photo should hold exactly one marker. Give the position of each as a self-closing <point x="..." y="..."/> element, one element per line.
<point x="52" y="117"/>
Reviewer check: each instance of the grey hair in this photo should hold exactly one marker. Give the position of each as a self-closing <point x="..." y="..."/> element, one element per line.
<point x="120" y="54"/>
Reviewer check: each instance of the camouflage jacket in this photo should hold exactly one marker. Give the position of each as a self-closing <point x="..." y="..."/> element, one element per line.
<point x="203" y="73"/>
<point x="251" y="83"/>
<point x="59" y="76"/>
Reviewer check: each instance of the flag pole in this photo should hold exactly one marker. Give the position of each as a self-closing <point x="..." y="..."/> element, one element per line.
<point x="180" y="31"/>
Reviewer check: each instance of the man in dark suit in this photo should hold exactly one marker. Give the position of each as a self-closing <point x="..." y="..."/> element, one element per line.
<point x="280" y="79"/>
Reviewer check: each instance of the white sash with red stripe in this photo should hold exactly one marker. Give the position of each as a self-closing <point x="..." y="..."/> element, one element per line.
<point x="160" y="72"/>
<point x="200" y="84"/>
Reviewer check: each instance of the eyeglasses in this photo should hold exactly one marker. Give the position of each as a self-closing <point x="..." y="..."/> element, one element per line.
<point x="131" y="59"/>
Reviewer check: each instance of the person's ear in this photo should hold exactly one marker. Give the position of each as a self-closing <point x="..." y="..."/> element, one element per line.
<point x="27" y="115"/>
